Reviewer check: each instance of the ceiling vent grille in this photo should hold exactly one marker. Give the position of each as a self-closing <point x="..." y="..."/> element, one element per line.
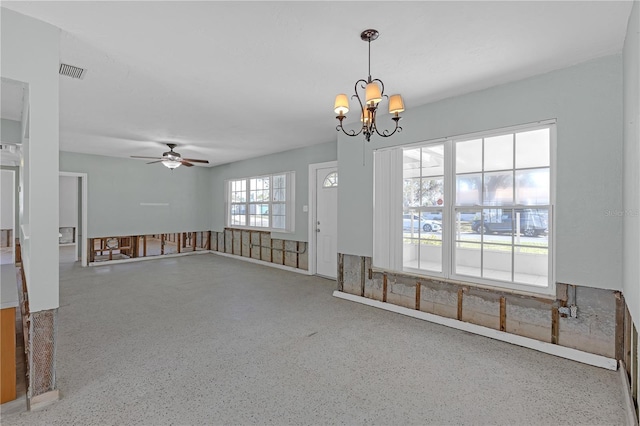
<point x="71" y="71"/>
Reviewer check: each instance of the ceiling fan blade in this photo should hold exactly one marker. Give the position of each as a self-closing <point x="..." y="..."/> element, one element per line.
<point x="186" y="163"/>
<point x="146" y="158"/>
<point x="153" y="162"/>
<point x="193" y="160"/>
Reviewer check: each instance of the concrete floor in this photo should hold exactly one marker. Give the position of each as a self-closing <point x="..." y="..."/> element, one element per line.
<point x="205" y="339"/>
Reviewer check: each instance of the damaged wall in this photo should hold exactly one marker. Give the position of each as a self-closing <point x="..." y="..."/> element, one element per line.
<point x="596" y="329"/>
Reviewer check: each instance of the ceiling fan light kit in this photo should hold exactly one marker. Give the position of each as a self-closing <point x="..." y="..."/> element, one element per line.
<point x="373" y="95"/>
<point x="171" y="159"/>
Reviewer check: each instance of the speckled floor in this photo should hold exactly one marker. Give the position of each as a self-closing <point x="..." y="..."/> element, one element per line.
<point x="206" y="339"/>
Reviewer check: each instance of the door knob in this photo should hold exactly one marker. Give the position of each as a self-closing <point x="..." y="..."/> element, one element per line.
<point x="318" y="230"/>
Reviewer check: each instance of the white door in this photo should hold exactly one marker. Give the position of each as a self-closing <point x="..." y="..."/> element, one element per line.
<point x="327" y="222"/>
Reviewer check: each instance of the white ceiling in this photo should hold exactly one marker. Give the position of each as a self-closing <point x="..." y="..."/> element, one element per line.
<point x="234" y="80"/>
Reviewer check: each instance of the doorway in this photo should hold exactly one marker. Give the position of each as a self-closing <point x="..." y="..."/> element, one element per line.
<point x="73" y="217"/>
<point x="323" y="227"/>
<point x="7" y="216"/>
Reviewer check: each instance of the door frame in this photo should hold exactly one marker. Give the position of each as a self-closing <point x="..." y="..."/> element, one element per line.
<point x="313" y="214"/>
<point x="85" y="191"/>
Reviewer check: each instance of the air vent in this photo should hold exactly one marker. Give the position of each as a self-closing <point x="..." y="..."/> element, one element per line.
<point x="71" y="71"/>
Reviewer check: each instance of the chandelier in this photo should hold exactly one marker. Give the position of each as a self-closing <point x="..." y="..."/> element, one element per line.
<point x="373" y="94"/>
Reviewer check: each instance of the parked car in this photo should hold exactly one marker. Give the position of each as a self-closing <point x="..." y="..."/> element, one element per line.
<point x="432" y="216"/>
<point x="409" y="220"/>
<point x="532" y="223"/>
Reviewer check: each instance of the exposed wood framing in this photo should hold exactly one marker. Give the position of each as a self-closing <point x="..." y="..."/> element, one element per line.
<point x="418" y="296"/>
<point x="460" y="295"/>
<point x="634" y="364"/>
<point x="503" y="313"/>
<point x="340" y="271"/>
<point x="555" y="324"/>
<point x="620" y="311"/>
<point x="384" y="287"/>
<point x="363" y="260"/>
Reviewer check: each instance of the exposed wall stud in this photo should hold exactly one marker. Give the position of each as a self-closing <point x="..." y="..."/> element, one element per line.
<point x="362" y="277"/>
<point x="384" y="287"/>
<point x="620" y="308"/>
<point x="503" y="314"/>
<point x="555" y="324"/>
<point x="340" y="272"/>
<point x="460" y="294"/>
<point x="418" y="296"/>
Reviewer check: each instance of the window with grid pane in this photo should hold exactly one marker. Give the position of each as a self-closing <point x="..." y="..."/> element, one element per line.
<point x="502" y="204"/>
<point x="474" y="208"/>
<point x="261" y="202"/>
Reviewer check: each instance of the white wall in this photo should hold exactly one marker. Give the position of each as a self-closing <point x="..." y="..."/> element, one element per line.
<point x="118" y="186"/>
<point x="631" y="183"/>
<point x="30" y="54"/>
<point x="6" y="199"/>
<point x="297" y="160"/>
<point x="68" y="208"/>
<point x="10" y="131"/>
<point x="586" y="101"/>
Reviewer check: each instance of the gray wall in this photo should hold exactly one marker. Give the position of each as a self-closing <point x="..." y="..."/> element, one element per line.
<point x="10" y="131"/>
<point x="631" y="186"/>
<point x="586" y="101"/>
<point x="117" y="186"/>
<point x="30" y="55"/>
<point x="297" y="160"/>
<point x="68" y="196"/>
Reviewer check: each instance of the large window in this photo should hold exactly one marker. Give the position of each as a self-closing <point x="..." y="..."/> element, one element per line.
<point x="475" y="208"/>
<point x="261" y="202"/>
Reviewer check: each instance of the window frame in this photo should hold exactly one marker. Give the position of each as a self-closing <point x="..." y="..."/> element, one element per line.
<point x="449" y="209"/>
<point x="247" y="203"/>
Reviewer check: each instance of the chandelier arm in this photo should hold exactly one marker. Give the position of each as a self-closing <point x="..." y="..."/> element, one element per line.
<point x="349" y="133"/>
<point x="385" y="133"/>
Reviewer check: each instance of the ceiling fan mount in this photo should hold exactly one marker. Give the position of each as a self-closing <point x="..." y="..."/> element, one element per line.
<point x="172" y="159"/>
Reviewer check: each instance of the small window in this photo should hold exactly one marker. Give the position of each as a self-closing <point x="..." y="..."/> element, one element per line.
<point x="331" y="181"/>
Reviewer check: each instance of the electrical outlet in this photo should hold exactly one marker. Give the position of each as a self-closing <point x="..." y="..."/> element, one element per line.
<point x="564" y="310"/>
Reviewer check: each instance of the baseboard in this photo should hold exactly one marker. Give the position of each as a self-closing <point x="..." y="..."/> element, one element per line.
<point x="41" y="401"/>
<point x="262" y="262"/>
<point x="549" y="348"/>
<point x="630" y="408"/>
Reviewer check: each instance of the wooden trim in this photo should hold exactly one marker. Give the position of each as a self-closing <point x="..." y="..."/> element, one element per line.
<point x="503" y="313"/>
<point x="8" y="344"/>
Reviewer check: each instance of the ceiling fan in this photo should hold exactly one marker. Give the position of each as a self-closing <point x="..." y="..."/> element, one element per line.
<point x="172" y="159"/>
